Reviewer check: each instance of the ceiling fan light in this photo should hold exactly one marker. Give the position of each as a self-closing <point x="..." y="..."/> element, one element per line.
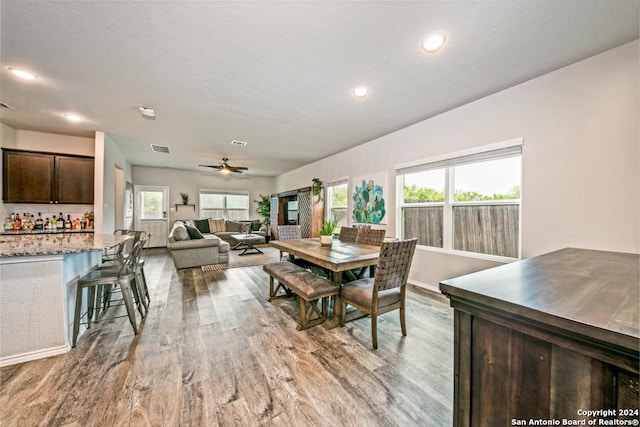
<point x="225" y="171"/>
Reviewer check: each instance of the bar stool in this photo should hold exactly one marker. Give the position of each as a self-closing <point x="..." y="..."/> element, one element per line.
<point x="141" y="288"/>
<point x="123" y="249"/>
<point x="101" y="278"/>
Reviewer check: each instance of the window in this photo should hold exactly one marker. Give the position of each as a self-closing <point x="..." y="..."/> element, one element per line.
<point x="336" y="199"/>
<point x="467" y="202"/>
<point x="152" y="205"/>
<point x="233" y="206"/>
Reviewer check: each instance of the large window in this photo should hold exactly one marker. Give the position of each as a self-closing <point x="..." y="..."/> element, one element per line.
<point x="468" y="202"/>
<point x="336" y="200"/>
<point x="233" y="206"/>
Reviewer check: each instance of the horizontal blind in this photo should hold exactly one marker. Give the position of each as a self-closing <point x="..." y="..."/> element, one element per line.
<point x="495" y="154"/>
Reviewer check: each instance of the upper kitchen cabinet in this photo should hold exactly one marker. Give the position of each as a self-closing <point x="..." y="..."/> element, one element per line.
<point x="31" y="177"/>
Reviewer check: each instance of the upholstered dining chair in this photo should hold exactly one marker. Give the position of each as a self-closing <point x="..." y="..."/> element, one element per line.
<point x="348" y="234"/>
<point x="289" y="232"/>
<point x="386" y="291"/>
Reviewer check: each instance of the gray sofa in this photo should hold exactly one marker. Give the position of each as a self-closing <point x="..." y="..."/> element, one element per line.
<point x="225" y="229"/>
<point x="190" y="252"/>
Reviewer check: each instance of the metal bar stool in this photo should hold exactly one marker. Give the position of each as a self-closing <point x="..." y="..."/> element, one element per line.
<point x="140" y="284"/>
<point x="97" y="279"/>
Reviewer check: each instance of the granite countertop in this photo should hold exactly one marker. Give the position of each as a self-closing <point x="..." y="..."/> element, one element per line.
<point x="22" y="245"/>
<point x="14" y="233"/>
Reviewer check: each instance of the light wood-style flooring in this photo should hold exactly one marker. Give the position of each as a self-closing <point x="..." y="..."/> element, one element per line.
<point x="214" y="352"/>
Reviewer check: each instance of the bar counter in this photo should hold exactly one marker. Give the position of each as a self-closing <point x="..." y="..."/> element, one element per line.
<point x="38" y="280"/>
<point x="19" y="245"/>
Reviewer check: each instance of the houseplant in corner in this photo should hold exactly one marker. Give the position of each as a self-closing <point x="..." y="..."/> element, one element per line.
<point x="264" y="210"/>
<point x="326" y="233"/>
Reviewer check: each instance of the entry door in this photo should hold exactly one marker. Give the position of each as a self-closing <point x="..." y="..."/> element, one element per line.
<point x="151" y="213"/>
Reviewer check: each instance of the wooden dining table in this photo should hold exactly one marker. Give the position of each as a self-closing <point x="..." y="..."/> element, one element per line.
<point x="338" y="257"/>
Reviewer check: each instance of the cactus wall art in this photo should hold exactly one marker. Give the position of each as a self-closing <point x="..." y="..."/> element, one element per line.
<point x="368" y="200"/>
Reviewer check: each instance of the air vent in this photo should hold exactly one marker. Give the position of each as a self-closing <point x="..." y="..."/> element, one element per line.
<point x="236" y="142"/>
<point x="7" y="106"/>
<point x="159" y="148"/>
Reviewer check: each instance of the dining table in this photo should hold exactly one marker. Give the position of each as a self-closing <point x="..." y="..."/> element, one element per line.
<point x="337" y="258"/>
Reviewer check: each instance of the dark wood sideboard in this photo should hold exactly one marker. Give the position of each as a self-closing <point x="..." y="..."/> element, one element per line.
<point x="546" y="337"/>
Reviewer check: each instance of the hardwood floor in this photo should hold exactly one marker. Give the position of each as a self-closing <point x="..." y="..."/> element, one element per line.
<point x="214" y="352"/>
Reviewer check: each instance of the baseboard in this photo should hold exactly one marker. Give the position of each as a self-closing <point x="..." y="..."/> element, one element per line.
<point x="428" y="290"/>
<point x="33" y="355"/>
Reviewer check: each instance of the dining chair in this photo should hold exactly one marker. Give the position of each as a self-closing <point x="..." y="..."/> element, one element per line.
<point x="368" y="236"/>
<point x="348" y="234"/>
<point x="384" y="292"/>
<point x="371" y="236"/>
<point x="289" y="232"/>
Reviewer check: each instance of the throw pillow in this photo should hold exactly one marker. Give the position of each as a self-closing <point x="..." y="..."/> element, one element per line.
<point x="255" y="225"/>
<point x="216" y="225"/>
<point x="202" y="225"/>
<point x="179" y="232"/>
<point x="233" y="226"/>
<point x="194" y="233"/>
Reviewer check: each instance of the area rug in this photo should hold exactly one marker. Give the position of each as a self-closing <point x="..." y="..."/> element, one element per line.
<point x="235" y="260"/>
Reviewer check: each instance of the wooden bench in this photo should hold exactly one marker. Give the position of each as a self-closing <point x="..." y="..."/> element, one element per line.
<point x="309" y="287"/>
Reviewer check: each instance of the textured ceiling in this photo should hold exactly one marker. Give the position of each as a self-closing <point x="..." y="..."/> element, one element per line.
<point x="278" y="74"/>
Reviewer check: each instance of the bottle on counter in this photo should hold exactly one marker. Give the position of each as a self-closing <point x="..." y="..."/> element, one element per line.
<point x="54" y="223"/>
<point x="39" y="224"/>
<point x="60" y="222"/>
<point x="8" y="224"/>
<point x="47" y="224"/>
<point x="67" y="223"/>
<point x="17" y="223"/>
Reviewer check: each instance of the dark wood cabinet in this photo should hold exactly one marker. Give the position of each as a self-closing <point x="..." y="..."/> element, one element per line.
<point x="545" y="338"/>
<point x="33" y="177"/>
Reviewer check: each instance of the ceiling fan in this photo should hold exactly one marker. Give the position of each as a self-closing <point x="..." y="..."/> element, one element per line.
<point x="225" y="168"/>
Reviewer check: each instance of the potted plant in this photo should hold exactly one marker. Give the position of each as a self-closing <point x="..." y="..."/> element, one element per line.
<point x="326" y="233"/>
<point x="264" y="210"/>
<point x="316" y="187"/>
<point x="185" y="198"/>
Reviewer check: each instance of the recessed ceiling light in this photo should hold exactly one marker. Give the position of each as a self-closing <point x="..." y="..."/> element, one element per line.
<point x="148" y="112"/>
<point x="23" y="74"/>
<point x="73" y="117"/>
<point x="360" y="92"/>
<point x="434" y="42"/>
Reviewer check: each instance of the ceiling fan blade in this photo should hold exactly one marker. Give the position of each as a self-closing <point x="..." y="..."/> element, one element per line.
<point x="211" y="166"/>
<point x="240" y="168"/>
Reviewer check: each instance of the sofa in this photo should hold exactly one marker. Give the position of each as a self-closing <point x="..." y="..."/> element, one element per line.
<point x="224" y="229"/>
<point x="188" y="251"/>
<point x="194" y="243"/>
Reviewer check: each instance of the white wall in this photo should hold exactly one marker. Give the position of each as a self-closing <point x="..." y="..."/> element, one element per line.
<point x="181" y="181"/>
<point x="108" y="157"/>
<point x="580" y="181"/>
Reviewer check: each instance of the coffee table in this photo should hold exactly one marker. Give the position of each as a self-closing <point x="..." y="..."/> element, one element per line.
<point x="246" y="242"/>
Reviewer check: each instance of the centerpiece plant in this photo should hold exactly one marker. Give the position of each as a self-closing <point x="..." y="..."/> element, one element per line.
<point x="326" y="232"/>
